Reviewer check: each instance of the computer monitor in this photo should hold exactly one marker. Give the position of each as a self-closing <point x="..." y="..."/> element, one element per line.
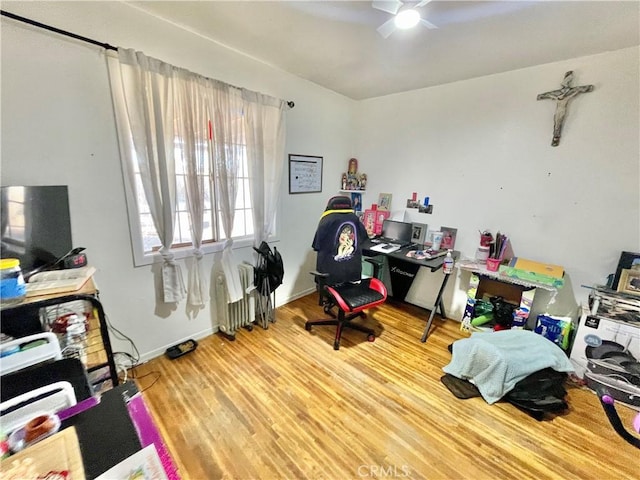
<point x="36" y="224"/>
<point x="400" y="231"/>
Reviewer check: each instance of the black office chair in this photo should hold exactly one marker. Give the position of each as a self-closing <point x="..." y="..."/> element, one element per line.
<point x="338" y="242"/>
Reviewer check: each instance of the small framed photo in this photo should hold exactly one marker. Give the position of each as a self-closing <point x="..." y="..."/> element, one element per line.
<point x="627" y="260"/>
<point x="630" y="281"/>
<point x="384" y="201"/>
<point x="369" y="221"/>
<point x="448" y="237"/>
<point x="381" y="216"/>
<point x="419" y="233"/>
<point x="356" y="201"/>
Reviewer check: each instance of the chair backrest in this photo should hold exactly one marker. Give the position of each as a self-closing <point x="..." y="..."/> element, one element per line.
<point x="338" y="242"/>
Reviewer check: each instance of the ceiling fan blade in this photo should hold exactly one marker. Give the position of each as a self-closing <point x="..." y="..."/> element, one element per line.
<point x="427" y="24"/>
<point x="421" y="4"/>
<point x="389" y="6"/>
<point x="387" y="28"/>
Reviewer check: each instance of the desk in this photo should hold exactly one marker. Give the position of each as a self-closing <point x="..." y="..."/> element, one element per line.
<point x="114" y="429"/>
<point x="403" y="270"/>
<point x="514" y="290"/>
<point x="22" y="319"/>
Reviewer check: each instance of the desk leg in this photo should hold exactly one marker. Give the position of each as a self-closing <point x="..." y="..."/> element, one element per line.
<point x="438" y="304"/>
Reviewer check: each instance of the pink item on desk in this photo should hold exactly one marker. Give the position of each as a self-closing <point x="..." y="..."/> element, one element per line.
<point x="148" y="434"/>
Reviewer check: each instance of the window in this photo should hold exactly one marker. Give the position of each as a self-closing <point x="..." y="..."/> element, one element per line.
<point x="213" y="229"/>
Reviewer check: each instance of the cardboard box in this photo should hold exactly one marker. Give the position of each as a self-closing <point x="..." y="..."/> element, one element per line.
<point x="596" y="335"/>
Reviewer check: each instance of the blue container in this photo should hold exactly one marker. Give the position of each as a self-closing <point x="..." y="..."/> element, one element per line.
<point x="12" y="286"/>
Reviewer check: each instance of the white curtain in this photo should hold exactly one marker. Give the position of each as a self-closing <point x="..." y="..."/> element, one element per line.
<point x="161" y="110"/>
<point x="192" y="133"/>
<point x="265" y="136"/>
<point x="227" y="132"/>
<point x="143" y="95"/>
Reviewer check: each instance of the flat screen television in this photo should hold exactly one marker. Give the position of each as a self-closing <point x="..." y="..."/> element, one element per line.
<point x="36" y="224"/>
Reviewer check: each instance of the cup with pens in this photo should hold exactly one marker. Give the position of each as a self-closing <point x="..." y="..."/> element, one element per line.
<point x="496" y="253"/>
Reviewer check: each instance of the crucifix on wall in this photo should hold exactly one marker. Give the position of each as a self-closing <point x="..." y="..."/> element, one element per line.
<point x="562" y="96"/>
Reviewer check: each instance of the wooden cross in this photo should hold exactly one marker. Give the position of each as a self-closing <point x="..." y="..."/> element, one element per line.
<point x="562" y="96"/>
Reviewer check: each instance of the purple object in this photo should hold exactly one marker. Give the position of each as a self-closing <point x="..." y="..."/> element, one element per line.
<point x="148" y="434"/>
<point x="607" y="399"/>
<point x="79" y="407"/>
<point x="636" y="423"/>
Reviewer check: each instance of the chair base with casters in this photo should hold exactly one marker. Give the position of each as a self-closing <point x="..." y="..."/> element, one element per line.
<point x="351" y="299"/>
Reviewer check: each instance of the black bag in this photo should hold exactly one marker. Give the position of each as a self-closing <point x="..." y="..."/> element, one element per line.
<point x="540" y="393"/>
<point x="269" y="271"/>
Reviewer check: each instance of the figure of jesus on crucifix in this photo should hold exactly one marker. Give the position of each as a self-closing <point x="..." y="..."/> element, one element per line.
<point x="562" y="96"/>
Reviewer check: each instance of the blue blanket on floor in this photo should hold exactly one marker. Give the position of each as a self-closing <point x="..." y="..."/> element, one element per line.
<point x="496" y="361"/>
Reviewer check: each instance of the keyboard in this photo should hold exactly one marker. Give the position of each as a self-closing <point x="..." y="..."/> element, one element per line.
<point x="393" y="241"/>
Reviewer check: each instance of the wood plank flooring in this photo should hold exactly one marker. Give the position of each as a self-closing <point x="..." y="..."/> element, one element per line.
<point x="282" y="404"/>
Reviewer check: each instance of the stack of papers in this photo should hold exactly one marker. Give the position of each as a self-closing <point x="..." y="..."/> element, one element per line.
<point x="58" y="281"/>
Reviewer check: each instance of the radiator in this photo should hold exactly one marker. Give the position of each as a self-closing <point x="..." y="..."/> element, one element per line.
<point x="233" y="316"/>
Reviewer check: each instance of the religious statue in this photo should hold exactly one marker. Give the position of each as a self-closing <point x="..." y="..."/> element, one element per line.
<point x="352" y="180"/>
<point x="562" y="96"/>
<point x="363" y="181"/>
<point x="353" y="166"/>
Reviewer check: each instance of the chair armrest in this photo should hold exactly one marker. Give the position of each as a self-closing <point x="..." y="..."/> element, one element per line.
<point x="319" y="274"/>
<point x="377" y="263"/>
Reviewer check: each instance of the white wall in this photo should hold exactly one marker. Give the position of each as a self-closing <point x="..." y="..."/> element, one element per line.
<point x="480" y="149"/>
<point x="58" y="128"/>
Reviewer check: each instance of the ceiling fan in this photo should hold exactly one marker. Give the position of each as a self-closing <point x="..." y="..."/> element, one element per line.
<point x="404" y="16"/>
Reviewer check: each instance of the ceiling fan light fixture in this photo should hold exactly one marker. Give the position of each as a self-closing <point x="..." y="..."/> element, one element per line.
<point x="407" y="19"/>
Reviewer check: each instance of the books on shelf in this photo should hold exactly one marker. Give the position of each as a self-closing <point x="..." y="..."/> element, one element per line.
<point x="59" y="281"/>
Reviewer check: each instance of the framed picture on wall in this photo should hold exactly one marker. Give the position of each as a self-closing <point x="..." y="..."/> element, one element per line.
<point x="305" y="174"/>
<point x="384" y="201"/>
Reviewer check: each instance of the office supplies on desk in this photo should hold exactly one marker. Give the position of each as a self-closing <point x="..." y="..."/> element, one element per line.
<point x="426" y="254"/>
<point x="386" y="247"/>
<point x="58" y="281"/>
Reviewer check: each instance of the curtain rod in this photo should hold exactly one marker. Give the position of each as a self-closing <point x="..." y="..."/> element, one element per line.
<point x="106" y="46"/>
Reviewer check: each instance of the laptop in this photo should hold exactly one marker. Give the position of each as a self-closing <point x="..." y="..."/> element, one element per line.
<point x="398" y="233"/>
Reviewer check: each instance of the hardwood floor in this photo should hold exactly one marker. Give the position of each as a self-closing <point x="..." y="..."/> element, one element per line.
<point x="281" y="403"/>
